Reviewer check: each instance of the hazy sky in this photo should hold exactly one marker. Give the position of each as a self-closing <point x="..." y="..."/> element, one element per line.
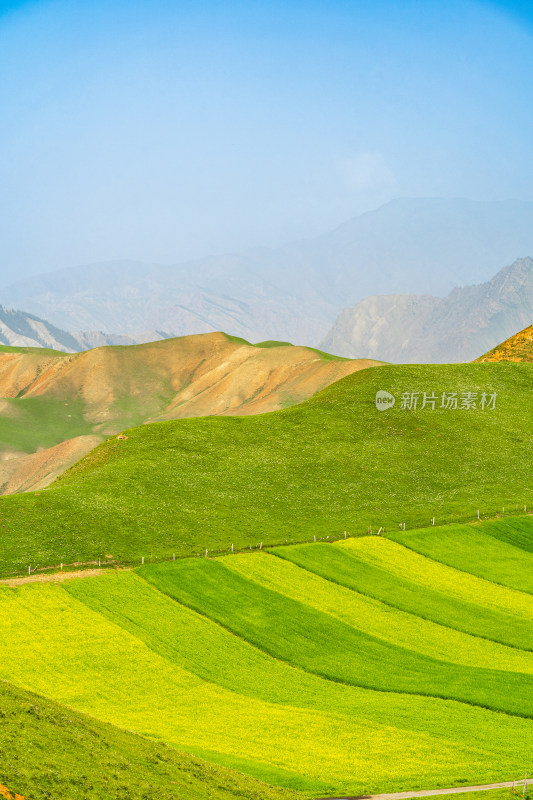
<point x="161" y="130"/>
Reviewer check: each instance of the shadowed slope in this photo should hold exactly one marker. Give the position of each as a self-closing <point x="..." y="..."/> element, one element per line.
<point x="51" y="751"/>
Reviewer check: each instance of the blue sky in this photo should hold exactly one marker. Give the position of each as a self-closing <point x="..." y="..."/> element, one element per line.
<point x="164" y="130"/>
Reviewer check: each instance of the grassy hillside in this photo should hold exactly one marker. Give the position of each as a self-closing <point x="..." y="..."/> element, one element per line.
<point x="265" y="663"/>
<point x="330" y="464"/>
<point x="517" y="348"/>
<point x="49" y="398"/>
<point x="47" y="750"/>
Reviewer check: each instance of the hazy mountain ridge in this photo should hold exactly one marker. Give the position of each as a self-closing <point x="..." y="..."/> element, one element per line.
<point x="294" y="292"/>
<point x="20" y="329"/>
<point x="423" y="328"/>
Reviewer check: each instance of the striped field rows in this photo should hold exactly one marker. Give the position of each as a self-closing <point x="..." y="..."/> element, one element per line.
<point x="363" y="666"/>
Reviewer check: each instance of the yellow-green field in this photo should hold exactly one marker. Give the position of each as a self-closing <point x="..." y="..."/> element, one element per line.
<point x="355" y="667"/>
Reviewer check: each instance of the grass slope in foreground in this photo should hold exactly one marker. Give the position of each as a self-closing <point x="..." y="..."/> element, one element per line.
<point x="47" y="750"/>
<point x="258" y="663"/>
<point x="330" y="464"/>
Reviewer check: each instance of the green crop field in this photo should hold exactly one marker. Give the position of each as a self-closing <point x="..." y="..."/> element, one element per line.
<point x="330" y="464"/>
<point x="473" y="549"/>
<point x="376" y="663"/>
<point x="292" y="666"/>
<point x="518" y="532"/>
<point x="351" y="569"/>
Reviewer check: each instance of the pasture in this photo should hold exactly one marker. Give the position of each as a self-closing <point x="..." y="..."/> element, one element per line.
<point x="333" y="463"/>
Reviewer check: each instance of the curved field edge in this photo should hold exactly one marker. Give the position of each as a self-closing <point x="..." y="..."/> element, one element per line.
<point x="77" y="655"/>
<point x="499" y="550"/>
<point x="319" y="643"/>
<point x="49" y="750"/>
<point x="332" y="463"/>
<point x="339" y="564"/>
<point x="377" y="618"/>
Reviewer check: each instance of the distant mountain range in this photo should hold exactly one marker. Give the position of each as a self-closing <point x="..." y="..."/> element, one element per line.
<point x="20" y="329"/>
<point x="411" y="328"/>
<point x="294" y="292"/>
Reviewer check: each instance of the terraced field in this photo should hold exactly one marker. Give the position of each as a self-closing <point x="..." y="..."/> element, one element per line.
<point x="354" y="667"/>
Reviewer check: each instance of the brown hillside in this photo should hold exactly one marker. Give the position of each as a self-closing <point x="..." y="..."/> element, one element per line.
<point x="37" y="470"/>
<point x="517" y="348"/>
<point x="102" y="391"/>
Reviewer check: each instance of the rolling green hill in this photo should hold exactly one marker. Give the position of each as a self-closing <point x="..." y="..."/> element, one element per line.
<point x="47" y="398"/>
<point x="295" y="666"/>
<point x="330" y="464"/>
<point x="47" y="750"/>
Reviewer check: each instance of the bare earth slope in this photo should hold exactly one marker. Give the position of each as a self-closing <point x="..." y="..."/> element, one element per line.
<point x="55" y="408"/>
<point x="37" y="470"/>
<point x="517" y="348"/>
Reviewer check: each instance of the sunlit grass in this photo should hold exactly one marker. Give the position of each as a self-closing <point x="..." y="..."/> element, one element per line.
<point x="348" y="566"/>
<point x="472" y="548"/>
<point x="330" y="464"/>
<point x="404" y="563"/>
<point x="379" y="619"/>
<point x="232" y="659"/>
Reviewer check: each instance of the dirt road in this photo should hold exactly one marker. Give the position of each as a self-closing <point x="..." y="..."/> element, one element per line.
<point x="431" y="792"/>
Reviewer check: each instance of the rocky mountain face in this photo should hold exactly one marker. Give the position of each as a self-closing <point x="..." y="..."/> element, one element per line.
<point x="20" y="329"/>
<point x="292" y="293"/>
<point x="412" y="328"/>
